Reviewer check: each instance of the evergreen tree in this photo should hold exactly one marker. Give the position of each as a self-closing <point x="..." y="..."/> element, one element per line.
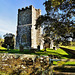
<point x="9" y="40"/>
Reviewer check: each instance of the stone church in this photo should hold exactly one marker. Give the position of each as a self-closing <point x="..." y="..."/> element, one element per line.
<point x="26" y="34"/>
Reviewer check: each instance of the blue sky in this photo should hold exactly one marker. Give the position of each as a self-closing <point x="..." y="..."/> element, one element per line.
<point x="9" y="10"/>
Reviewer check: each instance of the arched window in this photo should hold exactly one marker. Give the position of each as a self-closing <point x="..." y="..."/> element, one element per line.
<point x="24" y="38"/>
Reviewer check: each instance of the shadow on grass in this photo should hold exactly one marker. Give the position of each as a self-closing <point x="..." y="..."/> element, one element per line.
<point x="53" y="53"/>
<point x="19" y="52"/>
<point x="69" y="64"/>
<point x="4" y="50"/>
<point x="63" y="69"/>
<point x="70" y="53"/>
<point x="15" y="51"/>
<point x="41" y="52"/>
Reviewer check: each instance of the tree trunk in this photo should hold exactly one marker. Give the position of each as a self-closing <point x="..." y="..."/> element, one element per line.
<point x="45" y="49"/>
<point x="7" y="47"/>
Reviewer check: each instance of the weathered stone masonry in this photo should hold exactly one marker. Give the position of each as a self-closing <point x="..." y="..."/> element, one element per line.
<point x="26" y="32"/>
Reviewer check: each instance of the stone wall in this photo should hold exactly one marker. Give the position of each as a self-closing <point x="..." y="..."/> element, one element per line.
<point x="23" y="64"/>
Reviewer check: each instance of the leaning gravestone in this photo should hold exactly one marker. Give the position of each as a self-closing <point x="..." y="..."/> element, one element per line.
<point x="38" y="48"/>
<point x="21" y="48"/>
<point x="7" y="47"/>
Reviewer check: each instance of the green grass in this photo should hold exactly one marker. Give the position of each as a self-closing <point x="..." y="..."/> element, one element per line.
<point x="67" y="66"/>
<point x="13" y="51"/>
<point x="3" y="73"/>
<point x="2" y="48"/>
<point x="69" y="63"/>
<point x="69" y="47"/>
<point x="59" y="52"/>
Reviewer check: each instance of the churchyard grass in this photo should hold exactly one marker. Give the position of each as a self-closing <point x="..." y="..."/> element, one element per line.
<point x="2" y="48"/>
<point x="69" y="47"/>
<point x="59" y="52"/>
<point x="68" y="63"/>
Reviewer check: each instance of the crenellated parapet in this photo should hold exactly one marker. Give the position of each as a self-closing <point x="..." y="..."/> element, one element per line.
<point x="29" y="7"/>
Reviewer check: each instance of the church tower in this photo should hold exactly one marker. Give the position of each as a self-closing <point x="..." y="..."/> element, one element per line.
<point x="26" y="33"/>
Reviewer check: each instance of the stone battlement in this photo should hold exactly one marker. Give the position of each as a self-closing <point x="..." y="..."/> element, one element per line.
<point x="23" y="64"/>
<point x="30" y="7"/>
<point x="25" y="8"/>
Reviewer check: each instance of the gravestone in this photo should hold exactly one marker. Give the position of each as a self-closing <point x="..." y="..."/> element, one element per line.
<point x="7" y="47"/>
<point x="38" y="47"/>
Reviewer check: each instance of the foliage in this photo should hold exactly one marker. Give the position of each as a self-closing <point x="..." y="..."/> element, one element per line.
<point x="1" y="41"/>
<point x="59" y="19"/>
<point x="55" y="4"/>
<point x="3" y="48"/>
<point x="64" y="13"/>
<point x="66" y="43"/>
<point x="69" y="47"/>
<point x="8" y="40"/>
